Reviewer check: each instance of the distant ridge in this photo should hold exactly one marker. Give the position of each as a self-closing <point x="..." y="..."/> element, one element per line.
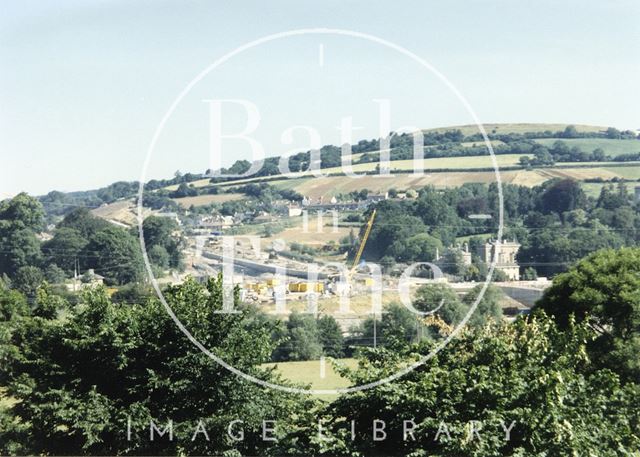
<point x="470" y="129"/>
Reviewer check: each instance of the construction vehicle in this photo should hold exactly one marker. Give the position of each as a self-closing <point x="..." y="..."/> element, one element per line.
<point x="358" y="256"/>
<point x="363" y="243"/>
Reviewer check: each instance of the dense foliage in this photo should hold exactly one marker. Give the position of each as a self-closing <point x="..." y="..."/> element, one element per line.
<point x="529" y="376"/>
<point x="79" y="373"/>
<point x="75" y="375"/>
<point x="556" y="223"/>
<point x="603" y="290"/>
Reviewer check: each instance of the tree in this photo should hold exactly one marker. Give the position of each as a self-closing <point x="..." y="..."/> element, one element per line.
<point x="24" y="210"/>
<point x="239" y="167"/>
<point x="440" y="297"/>
<point x="570" y="132"/>
<point x="184" y="190"/>
<point x="453" y="262"/>
<point x="85" y="223"/>
<point x="611" y="199"/>
<point x="542" y="157"/>
<point x="527" y="374"/>
<point x="19" y="248"/>
<point x="20" y="219"/>
<point x="397" y="327"/>
<point x="613" y="133"/>
<point x="27" y="280"/>
<point x="159" y="256"/>
<point x="114" y="254"/>
<point x="392" y="224"/>
<point x="488" y="309"/>
<point x="563" y="195"/>
<point x="302" y="341"/>
<point x="164" y="232"/>
<point x="434" y="211"/>
<point x="330" y="337"/>
<point x="420" y="247"/>
<point x="64" y="248"/>
<point x="598" y="155"/>
<point x="604" y="290"/>
<point x="530" y="274"/>
<point x="54" y="274"/>
<point x="78" y="381"/>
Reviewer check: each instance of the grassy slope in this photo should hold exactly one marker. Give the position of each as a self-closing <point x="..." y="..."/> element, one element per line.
<point x="308" y="372"/>
<point x="201" y="200"/>
<point x="610" y="147"/>
<point x="470" y="162"/>
<point x="340" y="184"/>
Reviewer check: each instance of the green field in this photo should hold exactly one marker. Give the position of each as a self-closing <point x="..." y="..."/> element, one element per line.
<point x="484" y="236"/>
<point x="454" y="163"/>
<point x="627" y="171"/>
<point x="610" y="147"/>
<point x="308" y="373"/>
<point x="592" y="189"/>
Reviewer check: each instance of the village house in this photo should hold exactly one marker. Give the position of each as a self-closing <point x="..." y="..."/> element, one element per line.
<point x="505" y="254"/>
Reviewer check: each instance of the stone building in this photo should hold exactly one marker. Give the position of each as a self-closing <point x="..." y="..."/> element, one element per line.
<point x="505" y="255"/>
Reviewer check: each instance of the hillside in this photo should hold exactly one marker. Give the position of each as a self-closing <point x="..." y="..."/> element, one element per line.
<point x="470" y="129"/>
<point x="453" y="156"/>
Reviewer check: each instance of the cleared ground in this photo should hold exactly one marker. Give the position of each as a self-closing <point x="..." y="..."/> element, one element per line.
<point x="124" y="211"/>
<point x="334" y="185"/>
<point x="360" y="304"/>
<point x="310" y="236"/>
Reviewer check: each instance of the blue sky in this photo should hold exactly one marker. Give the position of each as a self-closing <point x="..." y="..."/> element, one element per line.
<point x="83" y="85"/>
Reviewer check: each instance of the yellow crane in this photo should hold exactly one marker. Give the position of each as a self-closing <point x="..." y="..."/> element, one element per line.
<point x="363" y="243"/>
<point x="361" y="247"/>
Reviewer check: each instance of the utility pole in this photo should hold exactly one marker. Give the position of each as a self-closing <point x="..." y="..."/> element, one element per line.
<point x="375" y="335"/>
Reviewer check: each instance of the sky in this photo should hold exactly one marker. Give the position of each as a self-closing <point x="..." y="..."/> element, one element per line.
<point x="85" y="85"/>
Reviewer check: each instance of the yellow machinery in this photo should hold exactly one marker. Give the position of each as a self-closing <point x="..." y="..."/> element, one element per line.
<point x="306" y="287"/>
<point x="356" y="259"/>
<point x="257" y="287"/>
<point x="363" y="243"/>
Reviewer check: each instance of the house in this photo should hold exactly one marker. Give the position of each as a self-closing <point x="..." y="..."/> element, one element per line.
<point x="505" y="256"/>
<point x="449" y="255"/>
<point x="88" y="280"/>
<point x="294" y="211"/>
<point x="216" y="222"/>
<point x="263" y="216"/>
<point x="375" y="198"/>
<point x="173" y="216"/>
